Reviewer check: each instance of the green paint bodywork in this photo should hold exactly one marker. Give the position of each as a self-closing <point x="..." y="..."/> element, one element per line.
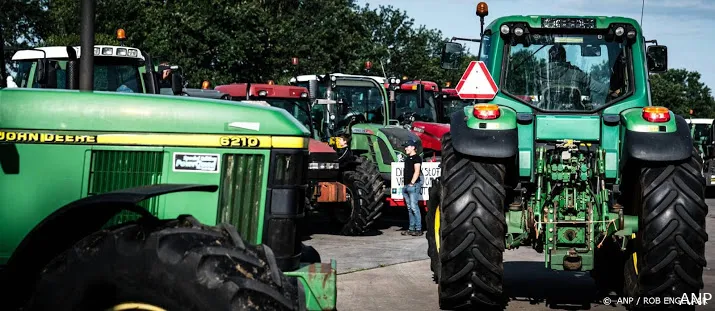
<point x="318" y="276"/>
<point x="575" y="214"/>
<point x="51" y="175"/>
<point x="367" y="137"/>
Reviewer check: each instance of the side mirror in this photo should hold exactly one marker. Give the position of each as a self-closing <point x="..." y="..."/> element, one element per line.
<point x="420" y="96"/>
<point x="451" y="55"/>
<point x="657" y="56"/>
<point x="177" y="83"/>
<point x="42" y="72"/>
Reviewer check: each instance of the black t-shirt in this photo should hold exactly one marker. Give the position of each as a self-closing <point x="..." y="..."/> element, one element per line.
<point x="410" y="162"/>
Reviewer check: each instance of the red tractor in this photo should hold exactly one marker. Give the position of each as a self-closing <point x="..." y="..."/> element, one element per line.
<point x="449" y="102"/>
<point x="333" y="178"/>
<point x="414" y="106"/>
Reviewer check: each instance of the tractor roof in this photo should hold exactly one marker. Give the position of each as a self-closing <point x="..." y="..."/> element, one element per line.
<point x="537" y="21"/>
<point x="238" y="90"/>
<point x="412" y="85"/>
<point x="449" y="93"/>
<point x="60" y="52"/>
<point x="699" y="120"/>
<point x="305" y="78"/>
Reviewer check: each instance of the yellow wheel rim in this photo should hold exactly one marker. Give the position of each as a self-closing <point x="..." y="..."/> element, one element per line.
<point x="135" y="306"/>
<point x="436" y="228"/>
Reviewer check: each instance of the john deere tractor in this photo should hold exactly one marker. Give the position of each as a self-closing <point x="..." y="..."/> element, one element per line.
<point x="357" y="106"/>
<point x="570" y="158"/>
<point x="132" y="201"/>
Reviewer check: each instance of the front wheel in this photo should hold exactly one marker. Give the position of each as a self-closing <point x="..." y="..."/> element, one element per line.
<point x="669" y="248"/>
<point x="180" y="265"/>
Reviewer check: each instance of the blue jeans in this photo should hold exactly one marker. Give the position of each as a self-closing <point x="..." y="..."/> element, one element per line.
<point x="412" y="196"/>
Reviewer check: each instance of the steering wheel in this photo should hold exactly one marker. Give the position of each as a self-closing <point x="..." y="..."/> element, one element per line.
<point x="566" y="98"/>
<point x="407" y="117"/>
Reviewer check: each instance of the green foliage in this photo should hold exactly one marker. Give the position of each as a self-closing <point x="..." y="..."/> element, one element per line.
<point x="681" y="90"/>
<point x="254" y="40"/>
<point x="227" y="41"/>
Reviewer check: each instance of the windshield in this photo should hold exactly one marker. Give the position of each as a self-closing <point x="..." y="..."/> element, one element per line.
<point x="406" y="106"/>
<point x="453" y="105"/>
<point x="110" y="74"/>
<point x="567" y="72"/>
<point x="365" y="103"/>
<point x="296" y="107"/>
<point x="700" y="132"/>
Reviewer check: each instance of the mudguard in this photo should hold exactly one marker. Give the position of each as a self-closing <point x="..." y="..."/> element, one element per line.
<point x="69" y="224"/>
<point x="486" y="143"/>
<point x="658" y="147"/>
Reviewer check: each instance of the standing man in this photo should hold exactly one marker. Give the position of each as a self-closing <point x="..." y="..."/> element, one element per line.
<point x="413" y="184"/>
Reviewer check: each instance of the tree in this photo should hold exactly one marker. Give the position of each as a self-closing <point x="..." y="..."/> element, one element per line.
<point x="681" y="90"/>
<point x="23" y="24"/>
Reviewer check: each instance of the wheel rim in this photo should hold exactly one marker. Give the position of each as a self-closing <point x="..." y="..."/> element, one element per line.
<point x="135" y="306"/>
<point x="436" y="228"/>
<point x="344" y="212"/>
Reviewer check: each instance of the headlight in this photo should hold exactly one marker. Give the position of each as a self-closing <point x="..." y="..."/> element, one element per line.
<point x="323" y="166"/>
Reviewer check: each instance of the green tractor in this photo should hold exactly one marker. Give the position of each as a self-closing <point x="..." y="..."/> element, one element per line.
<point x="131" y="201"/>
<point x="358" y="106"/>
<point x="570" y="160"/>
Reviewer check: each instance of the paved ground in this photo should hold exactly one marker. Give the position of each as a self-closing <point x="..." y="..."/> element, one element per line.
<point x="388" y="271"/>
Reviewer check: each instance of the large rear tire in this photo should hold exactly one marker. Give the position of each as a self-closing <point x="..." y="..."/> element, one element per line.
<point x="180" y="265"/>
<point x="472" y="231"/>
<point x="669" y="248"/>
<point x="367" y="190"/>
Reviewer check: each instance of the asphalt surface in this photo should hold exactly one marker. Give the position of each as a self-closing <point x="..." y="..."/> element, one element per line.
<point x="388" y="271"/>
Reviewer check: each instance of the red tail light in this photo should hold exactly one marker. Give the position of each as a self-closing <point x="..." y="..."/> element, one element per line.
<point x="656" y="114"/>
<point x="486" y="111"/>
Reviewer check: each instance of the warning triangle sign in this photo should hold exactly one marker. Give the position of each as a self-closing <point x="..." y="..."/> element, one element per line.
<point x="477" y="83"/>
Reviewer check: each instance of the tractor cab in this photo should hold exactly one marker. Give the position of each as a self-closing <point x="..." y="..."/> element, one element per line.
<point x="448" y="102"/>
<point x="116" y="69"/>
<point x="356" y="104"/>
<point x="290" y="98"/>
<point x="415" y="105"/>
<point x="119" y="68"/>
<point x="414" y="101"/>
<point x="699" y="130"/>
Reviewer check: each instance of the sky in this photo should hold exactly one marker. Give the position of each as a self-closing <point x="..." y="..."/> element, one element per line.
<point x="685" y="26"/>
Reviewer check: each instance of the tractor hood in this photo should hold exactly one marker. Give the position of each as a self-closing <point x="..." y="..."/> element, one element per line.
<point x="398" y="136"/>
<point x="321" y="152"/>
<point x="435" y="129"/>
<point x="70" y="110"/>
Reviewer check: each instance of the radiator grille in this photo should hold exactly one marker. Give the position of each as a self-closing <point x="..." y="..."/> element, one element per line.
<point x="241" y="193"/>
<point x="114" y="170"/>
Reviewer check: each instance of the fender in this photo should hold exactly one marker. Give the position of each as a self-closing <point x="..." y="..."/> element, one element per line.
<point x="658" y="147"/>
<point x="482" y="143"/>
<point x="69" y="224"/>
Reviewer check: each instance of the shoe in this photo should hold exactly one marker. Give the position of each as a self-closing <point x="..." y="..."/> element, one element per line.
<point x="406" y="232"/>
<point x="416" y="233"/>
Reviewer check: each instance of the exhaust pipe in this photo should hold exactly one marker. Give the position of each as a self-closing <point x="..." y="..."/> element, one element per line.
<point x="86" y="64"/>
<point x="3" y="77"/>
